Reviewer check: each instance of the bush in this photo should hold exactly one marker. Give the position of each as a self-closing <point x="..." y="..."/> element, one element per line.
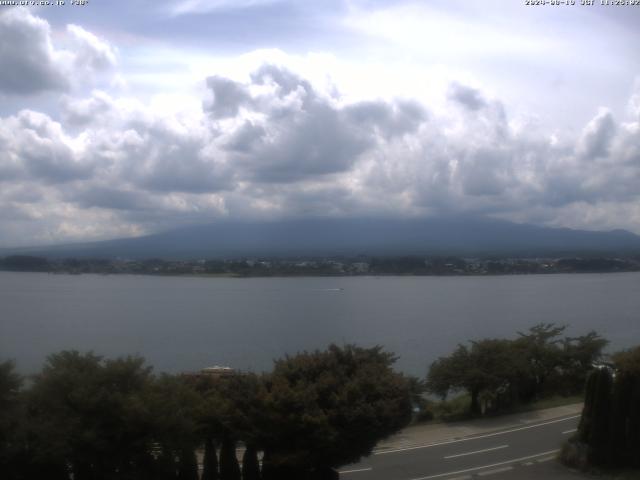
<point x="574" y="454"/>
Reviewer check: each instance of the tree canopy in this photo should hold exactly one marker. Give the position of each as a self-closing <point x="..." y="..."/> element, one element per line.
<point x="329" y="408"/>
<point x="86" y="417"/>
<point x="497" y="373"/>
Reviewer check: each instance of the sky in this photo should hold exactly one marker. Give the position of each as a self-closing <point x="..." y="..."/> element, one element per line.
<point x="121" y="118"/>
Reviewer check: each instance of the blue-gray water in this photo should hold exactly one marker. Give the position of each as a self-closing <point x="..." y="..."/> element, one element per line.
<point x="180" y="323"/>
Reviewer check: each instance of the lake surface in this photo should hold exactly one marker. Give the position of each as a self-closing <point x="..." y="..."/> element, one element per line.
<point x="181" y="323"/>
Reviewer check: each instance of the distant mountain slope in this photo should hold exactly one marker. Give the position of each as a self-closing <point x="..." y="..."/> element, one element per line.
<point x="369" y="236"/>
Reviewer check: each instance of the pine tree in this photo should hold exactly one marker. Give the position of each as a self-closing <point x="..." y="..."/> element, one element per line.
<point x="250" y="465"/>
<point x="621" y="402"/>
<point x="165" y="466"/>
<point x="188" y="465"/>
<point x="599" y="434"/>
<point x="229" y="468"/>
<point x="633" y="423"/>
<point x="586" y="421"/>
<point x="210" y="467"/>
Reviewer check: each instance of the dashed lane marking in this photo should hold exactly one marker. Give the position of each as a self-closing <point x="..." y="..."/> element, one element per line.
<point x="487" y="435"/>
<point x="356" y="470"/>
<point x="477" y="451"/>
<point x="494" y="471"/>
<point x="483" y="467"/>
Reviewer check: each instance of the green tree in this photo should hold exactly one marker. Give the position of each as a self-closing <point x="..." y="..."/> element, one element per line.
<point x="579" y="356"/>
<point x="250" y="465"/>
<point x="229" y="467"/>
<point x="486" y="371"/>
<point x="540" y="348"/>
<point x="12" y="449"/>
<point x="92" y="415"/>
<point x="210" y="461"/>
<point x="187" y="465"/>
<point x="328" y="408"/>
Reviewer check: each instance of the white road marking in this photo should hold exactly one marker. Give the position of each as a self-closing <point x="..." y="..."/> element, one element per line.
<point x="429" y="445"/>
<point x="515" y="460"/>
<point x="570" y="431"/>
<point x="356" y="470"/>
<point x="546" y="459"/>
<point x="494" y="471"/>
<point x="477" y="451"/>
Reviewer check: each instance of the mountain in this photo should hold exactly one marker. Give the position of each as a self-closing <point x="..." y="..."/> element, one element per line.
<point x="368" y="236"/>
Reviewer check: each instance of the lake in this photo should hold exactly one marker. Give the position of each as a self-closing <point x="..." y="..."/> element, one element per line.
<point x="185" y="323"/>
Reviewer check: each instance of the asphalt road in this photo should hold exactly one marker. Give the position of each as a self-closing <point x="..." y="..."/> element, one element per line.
<point x="496" y="453"/>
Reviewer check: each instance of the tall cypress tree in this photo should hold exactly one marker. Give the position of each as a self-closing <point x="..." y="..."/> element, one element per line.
<point x="188" y="465"/>
<point x="633" y="422"/>
<point x="165" y="466"/>
<point x="619" y="433"/>
<point x="599" y="434"/>
<point x="210" y="461"/>
<point x="229" y="467"/>
<point x="250" y="465"/>
<point x="586" y="420"/>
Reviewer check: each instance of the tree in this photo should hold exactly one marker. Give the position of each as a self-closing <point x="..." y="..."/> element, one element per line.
<point x="579" y="356"/>
<point x="498" y="373"/>
<point x="328" y="408"/>
<point x="174" y="404"/>
<point x="188" y="465"/>
<point x="250" y="464"/>
<point x="210" y="461"/>
<point x="11" y="422"/>
<point x="231" y="410"/>
<point x="92" y="415"/>
<point x="485" y="370"/>
<point x="610" y="422"/>
<point x="540" y="348"/>
<point x="229" y="467"/>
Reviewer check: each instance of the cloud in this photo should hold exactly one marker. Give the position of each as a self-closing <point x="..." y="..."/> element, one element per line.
<point x="186" y="7"/>
<point x="277" y="144"/>
<point x="467" y="97"/>
<point x="36" y="147"/>
<point x="597" y="136"/>
<point x="31" y="64"/>
<point x="90" y="52"/>
<point x="228" y="97"/>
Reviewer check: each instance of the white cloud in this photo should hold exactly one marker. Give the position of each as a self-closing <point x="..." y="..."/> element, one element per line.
<point x="186" y="7"/>
<point x="31" y="64"/>
<point x="90" y="52"/>
<point x="269" y="134"/>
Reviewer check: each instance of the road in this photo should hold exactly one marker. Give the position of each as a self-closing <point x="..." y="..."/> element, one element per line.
<point x="495" y="453"/>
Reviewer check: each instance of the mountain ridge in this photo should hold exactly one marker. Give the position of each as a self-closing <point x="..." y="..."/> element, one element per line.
<point x="348" y="237"/>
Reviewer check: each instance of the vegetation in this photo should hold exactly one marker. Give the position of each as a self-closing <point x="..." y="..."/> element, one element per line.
<point x="500" y="374"/>
<point x="85" y="417"/>
<point x="609" y="431"/>
<point x="324" y="266"/>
